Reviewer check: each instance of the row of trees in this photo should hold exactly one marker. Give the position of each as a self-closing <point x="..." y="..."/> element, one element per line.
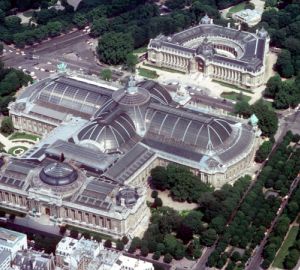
<point x="263" y="151"/>
<point x="258" y="210"/>
<point x="283" y="24"/>
<point x="277" y="236"/>
<point x="285" y="93"/>
<point x="182" y="183"/>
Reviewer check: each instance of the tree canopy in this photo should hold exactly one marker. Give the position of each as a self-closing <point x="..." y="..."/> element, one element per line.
<point x="113" y="48"/>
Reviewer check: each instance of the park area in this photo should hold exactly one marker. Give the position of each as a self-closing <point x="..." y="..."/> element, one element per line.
<point x="237" y="8"/>
<point x="235" y="96"/>
<point x="284" y="250"/>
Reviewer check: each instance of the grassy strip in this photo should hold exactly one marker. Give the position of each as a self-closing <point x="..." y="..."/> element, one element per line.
<point x="232" y="86"/>
<point x="284" y="250"/>
<point x="89" y="232"/>
<point x="235" y="96"/>
<point x="164" y="69"/>
<point x="237" y="8"/>
<point x="140" y="50"/>
<point x="23" y="135"/>
<point x="151" y="74"/>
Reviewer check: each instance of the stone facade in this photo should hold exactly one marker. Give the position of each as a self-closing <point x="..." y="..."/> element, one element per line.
<point x="214" y="54"/>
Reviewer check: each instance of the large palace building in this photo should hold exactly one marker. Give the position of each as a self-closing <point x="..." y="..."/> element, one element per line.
<point x="221" y="53"/>
<point x="99" y="144"/>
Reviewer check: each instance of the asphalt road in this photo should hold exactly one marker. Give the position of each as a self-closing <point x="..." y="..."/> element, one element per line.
<point x="72" y="48"/>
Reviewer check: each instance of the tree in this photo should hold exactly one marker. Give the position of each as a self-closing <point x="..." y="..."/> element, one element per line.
<point x="242" y="108"/>
<point x="208" y="237"/>
<point x="156" y="255"/>
<point x="284" y="64"/>
<point x="263" y="151"/>
<point x="168" y="258"/>
<point x="218" y="223"/>
<point x="268" y="121"/>
<point x="7" y="126"/>
<point x="158" y="202"/>
<point x="273" y="86"/>
<point x="106" y="74"/>
<point x="99" y="27"/>
<point x="154" y="194"/>
<point x="175" y="4"/>
<point x="159" y="178"/>
<point x="80" y="20"/>
<point x="62" y="230"/>
<point x="119" y="245"/>
<point x="131" y="61"/>
<point x="74" y="234"/>
<point x="125" y="240"/>
<point x="113" y="48"/>
<point x="235" y="256"/>
<point x="144" y="251"/>
<point x="108" y="243"/>
<point x="193" y="221"/>
<point x="291" y="259"/>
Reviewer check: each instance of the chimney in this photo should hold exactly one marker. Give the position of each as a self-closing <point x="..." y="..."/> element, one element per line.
<point x="228" y="25"/>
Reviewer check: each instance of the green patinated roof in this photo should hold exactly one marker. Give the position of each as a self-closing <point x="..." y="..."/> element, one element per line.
<point x="254" y="120"/>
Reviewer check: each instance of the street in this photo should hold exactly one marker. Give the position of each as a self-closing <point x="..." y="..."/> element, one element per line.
<point x="75" y="48"/>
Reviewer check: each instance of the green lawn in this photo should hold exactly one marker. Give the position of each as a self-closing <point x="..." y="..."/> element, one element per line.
<point x="284" y="250"/>
<point x="151" y="74"/>
<point x="16" y="150"/>
<point x="233" y="86"/>
<point x="236" y="8"/>
<point x="164" y="69"/>
<point x="140" y="50"/>
<point x="234" y="96"/>
<point x="23" y="135"/>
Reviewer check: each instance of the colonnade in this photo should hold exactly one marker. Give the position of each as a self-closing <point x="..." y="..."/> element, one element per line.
<point x="15" y="199"/>
<point x="31" y="125"/>
<point x="226" y="74"/>
<point x="176" y="61"/>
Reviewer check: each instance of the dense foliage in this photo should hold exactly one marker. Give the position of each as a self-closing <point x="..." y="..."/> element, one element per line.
<point x="268" y="121"/>
<point x="182" y="183"/>
<point x="174" y="235"/>
<point x="285" y="93"/>
<point x="263" y="151"/>
<point x="258" y="210"/>
<point x="283" y="24"/>
<point x="10" y="81"/>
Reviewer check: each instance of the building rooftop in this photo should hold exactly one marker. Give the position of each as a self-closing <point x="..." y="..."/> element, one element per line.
<point x="34" y="260"/>
<point x="9" y="238"/>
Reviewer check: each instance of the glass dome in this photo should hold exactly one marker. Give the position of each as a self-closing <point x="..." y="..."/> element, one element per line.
<point x="58" y="174"/>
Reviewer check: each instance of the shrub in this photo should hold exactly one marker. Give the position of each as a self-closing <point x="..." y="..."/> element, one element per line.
<point x="120" y="245"/>
<point x="74" y="234"/>
<point x="168" y="258"/>
<point x="156" y="255"/>
<point x="108" y="243"/>
<point x="154" y="194"/>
